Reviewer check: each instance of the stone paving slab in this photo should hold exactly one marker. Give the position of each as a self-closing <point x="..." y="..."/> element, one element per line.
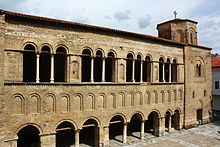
<point x="199" y="139"/>
<point x="165" y="143"/>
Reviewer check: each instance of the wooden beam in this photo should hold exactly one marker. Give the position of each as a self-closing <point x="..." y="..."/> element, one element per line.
<point x="64" y="129"/>
<point x="115" y="122"/>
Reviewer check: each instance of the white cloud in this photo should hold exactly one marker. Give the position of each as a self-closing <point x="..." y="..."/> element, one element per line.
<point x="122" y="15"/>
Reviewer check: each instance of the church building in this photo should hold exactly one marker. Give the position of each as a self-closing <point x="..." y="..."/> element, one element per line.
<point x="64" y="84"/>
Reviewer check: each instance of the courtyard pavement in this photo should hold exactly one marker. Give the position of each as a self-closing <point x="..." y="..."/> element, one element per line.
<point x="207" y="135"/>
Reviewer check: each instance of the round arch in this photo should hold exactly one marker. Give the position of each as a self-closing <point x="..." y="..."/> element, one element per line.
<point x="66" y="120"/>
<point x="113" y="51"/>
<point x="17" y="129"/>
<point x="62" y="46"/>
<point x="120" y="115"/>
<point x="47" y="45"/>
<point x="141" y="55"/>
<point x="132" y="53"/>
<point x="157" y="111"/>
<point x="101" y="50"/>
<point x="31" y="43"/>
<point x="139" y="113"/>
<point x="92" y="118"/>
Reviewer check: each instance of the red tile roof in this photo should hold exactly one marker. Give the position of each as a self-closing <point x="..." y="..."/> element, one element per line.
<point x="215" y="61"/>
<point x="177" y="20"/>
<point x="100" y="28"/>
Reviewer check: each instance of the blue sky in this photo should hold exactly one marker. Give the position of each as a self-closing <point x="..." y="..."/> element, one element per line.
<point x="139" y="16"/>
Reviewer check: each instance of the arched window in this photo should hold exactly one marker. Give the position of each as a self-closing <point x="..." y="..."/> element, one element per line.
<point x="110" y="67"/>
<point x="179" y="36"/>
<point x="147" y="69"/>
<point x="167" y="70"/>
<point x="98" y="66"/>
<point x="198" y="69"/>
<point x="60" y="65"/>
<point x="161" y="69"/>
<point x="174" y="71"/>
<point x="45" y="64"/>
<point x="29" y="64"/>
<point x="129" y="67"/>
<point x="86" y="65"/>
<point x="191" y="38"/>
<point x="137" y="68"/>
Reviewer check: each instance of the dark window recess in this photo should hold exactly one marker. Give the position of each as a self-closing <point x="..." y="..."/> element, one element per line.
<point x="29" y="64"/>
<point x="216" y="84"/>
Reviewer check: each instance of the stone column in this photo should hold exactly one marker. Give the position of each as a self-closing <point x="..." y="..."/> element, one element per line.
<point x="104" y="136"/>
<point x="92" y="69"/>
<point x="52" y="69"/>
<point x="38" y="68"/>
<point x="163" y="68"/>
<point x="77" y="138"/>
<point x="103" y="69"/>
<point x="133" y="70"/>
<point x="141" y="75"/>
<point x="161" y="126"/>
<point x="181" y="115"/>
<point x="142" y="130"/>
<point x="48" y="139"/>
<point x="170" y="73"/>
<point x="170" y="123"/>
<point x="125" y="133"/>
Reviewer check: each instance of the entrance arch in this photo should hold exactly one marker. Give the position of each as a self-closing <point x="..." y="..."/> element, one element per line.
<point x="176" y="120"/>
<point x="116" y="128"/>
<point x="89" y="135"/>
<point x="152" y="124"/>
<point x="28" y="137"/>
<point x="134" y="127"/>
<point x="168" y="121"/>
<point x="65" y="136"/>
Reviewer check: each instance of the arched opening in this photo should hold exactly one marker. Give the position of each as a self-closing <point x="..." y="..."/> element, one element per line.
<point x="129" y="67"/>
<point x="168" y="121"/>
<point x="116" y="129"/>
<point x="89" y="135"/>
<point x="174" y="71"/>
<point x="110" y="67"/>
<point x="167" y="70"/>
<point x="29" y="64"/>
<point x="45" y="64"/>
<point x="134" y="127"/>
<point x="65" y="136"/>
<point x="86" y="65"/>
<point x="199" y="115"/>
<point x="147" y="69"/>
<point x="161" y="70"/>
<point x="28" y="137"/>
<point x="152" y="124"/>
<point x="60" y="65"/>
<point x="137" y="68"/>
<point x="98" y="66"/>
<point x="176" y="120"/>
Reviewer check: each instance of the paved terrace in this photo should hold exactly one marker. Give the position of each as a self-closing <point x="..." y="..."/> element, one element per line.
<point x="207" y="135"/>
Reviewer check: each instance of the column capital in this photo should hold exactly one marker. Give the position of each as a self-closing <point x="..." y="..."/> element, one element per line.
<point x="77" y="131"/>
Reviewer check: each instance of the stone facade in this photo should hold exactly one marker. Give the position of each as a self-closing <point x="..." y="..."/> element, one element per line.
<point x="90" y="84"/>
